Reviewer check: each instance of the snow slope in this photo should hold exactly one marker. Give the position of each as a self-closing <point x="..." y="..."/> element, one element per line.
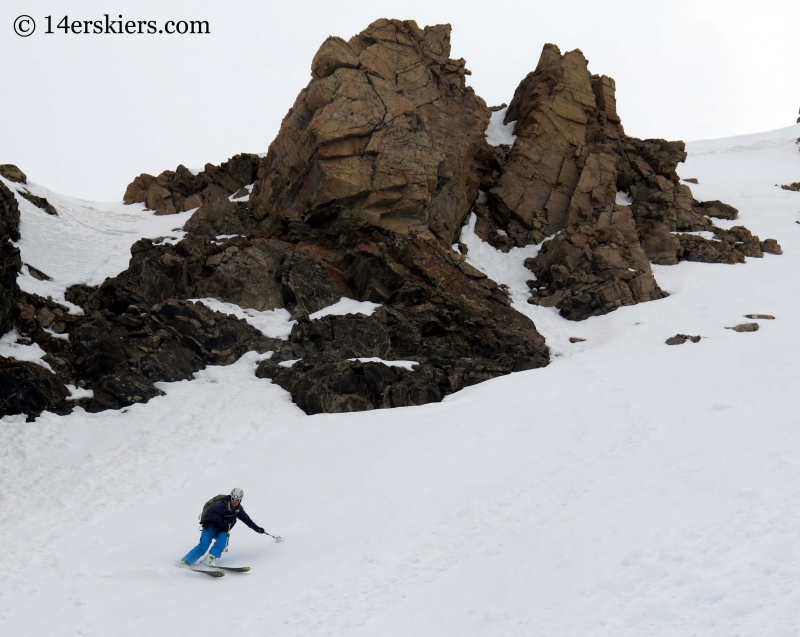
<point x="86" y="243"/>
<point x="628" y="489"/>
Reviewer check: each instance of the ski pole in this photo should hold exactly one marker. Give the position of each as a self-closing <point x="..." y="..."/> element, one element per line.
<point x="277" y="538"/>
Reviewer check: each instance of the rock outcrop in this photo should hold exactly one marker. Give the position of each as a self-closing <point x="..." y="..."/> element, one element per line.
<point x="437" y="310"/>
<point x="10" y="261"/>
<point x="39" y="202"/>
<point x="560" y="179"/>
<point x="179" y="190"/>
<point x="680" y="339"/>
<point x="12" y="173"/>
<point x="361" y="195"/>
<point x="386" y="131"/>
<point x="119" y="355"/>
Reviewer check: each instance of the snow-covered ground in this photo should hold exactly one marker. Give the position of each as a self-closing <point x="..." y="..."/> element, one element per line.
<point x="629" y="489"/>
<point x="86" y="242"/>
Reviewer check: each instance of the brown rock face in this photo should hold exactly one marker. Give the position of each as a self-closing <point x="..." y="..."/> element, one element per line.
<point x="180" y="190"/>
<point x="386" y="131"/>
<point x="552" y="107"/>
<point x="595" y="268"/>
<point x="561" y="176"/>
<point x="12" y="173"/>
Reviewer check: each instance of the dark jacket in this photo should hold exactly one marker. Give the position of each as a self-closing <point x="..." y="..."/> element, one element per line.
<point x="223" y="516"/>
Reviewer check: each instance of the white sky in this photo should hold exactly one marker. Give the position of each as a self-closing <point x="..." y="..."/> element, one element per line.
<point x="84" y="114"/>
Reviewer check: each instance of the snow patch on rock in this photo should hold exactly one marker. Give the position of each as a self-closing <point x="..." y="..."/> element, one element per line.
<point x="78" y="393"/>
<point x="498" y="133"/>
<point x="623" y="199"/>
<point x="346" y="306"/>
<point x="271" y="323"/>
<point x="409" y="365"/>
<point x="11" y="348"/>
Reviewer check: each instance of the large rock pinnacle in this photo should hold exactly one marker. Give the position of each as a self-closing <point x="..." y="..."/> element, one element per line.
<point x="558" y="184"/>
<point x="386" y="131"/>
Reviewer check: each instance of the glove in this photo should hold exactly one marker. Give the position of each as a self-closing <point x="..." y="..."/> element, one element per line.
<point x="261" y="530"/>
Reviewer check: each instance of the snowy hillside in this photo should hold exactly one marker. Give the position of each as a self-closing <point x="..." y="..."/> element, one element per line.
<point x="629" y="488"/>
<point x="86" y="242"/>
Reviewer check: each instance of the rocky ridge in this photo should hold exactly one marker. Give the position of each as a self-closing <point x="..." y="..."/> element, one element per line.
<point x="374" y="171"/>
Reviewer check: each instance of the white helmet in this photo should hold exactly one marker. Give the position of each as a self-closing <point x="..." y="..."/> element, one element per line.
<point x="237" y="494"/>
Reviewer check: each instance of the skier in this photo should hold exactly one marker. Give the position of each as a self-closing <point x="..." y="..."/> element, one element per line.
<point x="217" y="524"/>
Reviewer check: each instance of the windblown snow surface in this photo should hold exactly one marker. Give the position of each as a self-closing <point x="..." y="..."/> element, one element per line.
<point x="628" y="489"/>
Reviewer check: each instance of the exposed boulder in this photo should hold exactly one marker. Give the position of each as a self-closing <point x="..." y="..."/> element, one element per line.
<point x="386" y="131"/>
<point x="29" y="388"/>
<point x="37" y="274"/>
<point x="39" y="202"/>
<point x="247" y="272"/>
<point x="727" y="246"/>
<point x="453" y="320"/>
<point x="680" y="339"/>
<point x="718" y="209"/>
<point x="12" y="173"/>
<point x="771" y="246"/>
<point x="744" y="327"/>
<point x="180" y="190"/>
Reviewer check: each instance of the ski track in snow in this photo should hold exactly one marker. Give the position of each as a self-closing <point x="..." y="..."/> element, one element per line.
<point x="630" y="488"/>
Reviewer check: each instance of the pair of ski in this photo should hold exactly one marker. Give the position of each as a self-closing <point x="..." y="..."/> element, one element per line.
<point x="218" y="571"/>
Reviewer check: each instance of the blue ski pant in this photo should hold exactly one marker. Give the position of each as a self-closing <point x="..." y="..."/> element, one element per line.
<point x="220" y="539"/>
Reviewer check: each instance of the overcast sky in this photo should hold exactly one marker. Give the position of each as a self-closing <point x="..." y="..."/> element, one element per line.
<point x="84" y="114"/>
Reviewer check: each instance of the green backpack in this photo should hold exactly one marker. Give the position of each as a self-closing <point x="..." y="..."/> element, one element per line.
<point x="209" y="504"/>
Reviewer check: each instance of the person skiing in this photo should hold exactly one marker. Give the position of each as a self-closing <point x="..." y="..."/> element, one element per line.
<point x="217" y="523"/>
